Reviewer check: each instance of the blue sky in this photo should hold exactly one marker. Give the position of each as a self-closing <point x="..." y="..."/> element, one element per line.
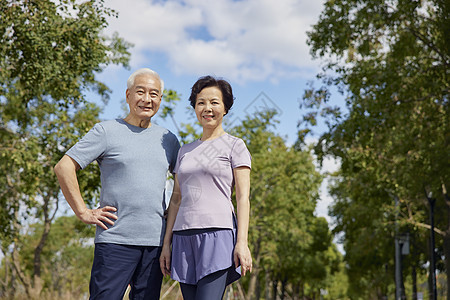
<point x="259" y="46"/>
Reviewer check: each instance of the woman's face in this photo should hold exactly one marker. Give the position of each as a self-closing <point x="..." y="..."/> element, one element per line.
<point x="209" y="107"/>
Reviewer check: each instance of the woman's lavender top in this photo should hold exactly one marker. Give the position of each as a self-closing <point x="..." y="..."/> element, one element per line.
<point x="205" y="174"/>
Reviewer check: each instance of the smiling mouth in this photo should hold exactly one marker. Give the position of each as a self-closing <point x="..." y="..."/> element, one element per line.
<point x="146" y="108"/>
<point x="209" y="117"/>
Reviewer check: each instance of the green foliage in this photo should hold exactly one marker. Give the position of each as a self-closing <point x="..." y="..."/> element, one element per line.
<point x="32" y="191"/>
<point x="288" y="242"/>
<point x="390" y="60"/>
<point x="27" y="161"/>
<point x="187" y="132"/>
<point x="66" y="259"/>
<point x="397" y="88"/>
<point x="50" y="53"/>
<point x="171" y="99"/>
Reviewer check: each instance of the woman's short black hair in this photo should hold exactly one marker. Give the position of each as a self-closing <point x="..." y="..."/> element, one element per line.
<point x="210" y="81"/>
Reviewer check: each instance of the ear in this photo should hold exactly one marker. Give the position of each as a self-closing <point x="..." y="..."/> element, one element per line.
<point x="127" y="94"/>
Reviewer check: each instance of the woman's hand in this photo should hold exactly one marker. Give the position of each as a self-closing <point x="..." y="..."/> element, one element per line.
<point x="172" y="211"/>
<point x="242" y="257"/>
<point x="164" y="260"/>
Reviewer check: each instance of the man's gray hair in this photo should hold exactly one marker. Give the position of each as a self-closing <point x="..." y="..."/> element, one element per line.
<point x="144" y="71"/>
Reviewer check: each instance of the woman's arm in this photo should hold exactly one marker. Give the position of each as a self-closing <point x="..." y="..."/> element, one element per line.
<point x="174" y="205"/>
<point x="242" y="255"/>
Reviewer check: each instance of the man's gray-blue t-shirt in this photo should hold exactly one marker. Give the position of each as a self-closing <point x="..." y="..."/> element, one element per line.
<point x="133" y="164"/>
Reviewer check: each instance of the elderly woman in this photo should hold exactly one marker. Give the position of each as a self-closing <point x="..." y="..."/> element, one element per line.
<point x="209" y="246"/>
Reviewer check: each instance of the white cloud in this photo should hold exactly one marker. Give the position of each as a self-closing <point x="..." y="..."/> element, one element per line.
<point x="329" y="166"/>
<point x="203" y="57"/>
<point x="248" y="40"/>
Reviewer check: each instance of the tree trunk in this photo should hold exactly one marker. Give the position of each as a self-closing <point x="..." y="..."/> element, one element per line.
<point x="447" y="260"/>
<point x="7" y="288"/>
<point x="23" y="278"/>
<point x="12" y="292"/>
<point x="447" y="240"/>
<point x="302" y="289"/>
<point x="252" y="286"/>
<point x="26" y="281"/>
<point x="251" y="292"/>
<point x="274" y="289"/>
<point x="38" y="250"/>
<point x="402" y="281"/>
<point x="414" y="282"/>
<point x="46" y="231"/>
<point x="283" y="288"/>
<point x="296" y="291"/>
<point x="267" y="285"/>
<point x="6" y="281"/>
<point x="258" y="290"/>
<point x="33" y="286"/>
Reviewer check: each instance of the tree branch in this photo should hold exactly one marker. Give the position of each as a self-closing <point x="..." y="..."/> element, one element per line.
<point x="430" y="44"/>
<point x="22" y="277"/>
<point x="410" y="219"/>
<point x="444" y="92"/>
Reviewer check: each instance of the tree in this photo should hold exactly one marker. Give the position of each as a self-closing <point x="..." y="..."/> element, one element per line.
<point x="50" y="53"/>
<point x="289" y="244"/>
<point x="33" y="195"/>
<point x="390" y="59"/>
<point x="287" y="241"/>
<point x="66" y="259"/>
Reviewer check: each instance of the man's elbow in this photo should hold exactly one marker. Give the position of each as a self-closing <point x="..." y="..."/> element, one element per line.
<point x="58" y="168"/>
<point x="63" y="166"/>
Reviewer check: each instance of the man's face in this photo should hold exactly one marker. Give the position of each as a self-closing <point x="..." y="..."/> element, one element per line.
<point x="144" y="98"/>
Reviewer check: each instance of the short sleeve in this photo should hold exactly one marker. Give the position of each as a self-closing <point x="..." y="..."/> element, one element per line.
<point x="240" y="156"/>
<point x="90" y="147"/>
<point x="174" y="158"/>
<point x="177" y="164"/>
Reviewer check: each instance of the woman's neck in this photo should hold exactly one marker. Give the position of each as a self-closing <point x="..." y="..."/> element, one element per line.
<point x="212" y="133"/>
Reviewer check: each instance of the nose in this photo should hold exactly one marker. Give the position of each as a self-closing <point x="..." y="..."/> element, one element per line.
<point x="147" y="98"/>
<point x="207" y="106"/>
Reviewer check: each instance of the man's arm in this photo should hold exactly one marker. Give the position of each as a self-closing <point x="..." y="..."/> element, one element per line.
<point x="66" y="170"/>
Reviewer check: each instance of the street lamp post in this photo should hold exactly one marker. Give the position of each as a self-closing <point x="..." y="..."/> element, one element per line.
<point x="432" y="202"/>
<point x="398" y="257"/>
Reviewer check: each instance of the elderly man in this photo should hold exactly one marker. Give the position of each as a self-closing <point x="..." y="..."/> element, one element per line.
<point x="134" y="156"/>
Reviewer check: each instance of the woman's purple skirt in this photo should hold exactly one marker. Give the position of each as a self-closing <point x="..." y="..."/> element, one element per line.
<point x="197" y="253"/>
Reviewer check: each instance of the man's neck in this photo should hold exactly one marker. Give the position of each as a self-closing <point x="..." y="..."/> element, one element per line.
<point x="143" y="123"/>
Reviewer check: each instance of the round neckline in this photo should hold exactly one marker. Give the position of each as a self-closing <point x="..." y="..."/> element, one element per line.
<point x="134" y="126"/>
<point x="220" y="136"/>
